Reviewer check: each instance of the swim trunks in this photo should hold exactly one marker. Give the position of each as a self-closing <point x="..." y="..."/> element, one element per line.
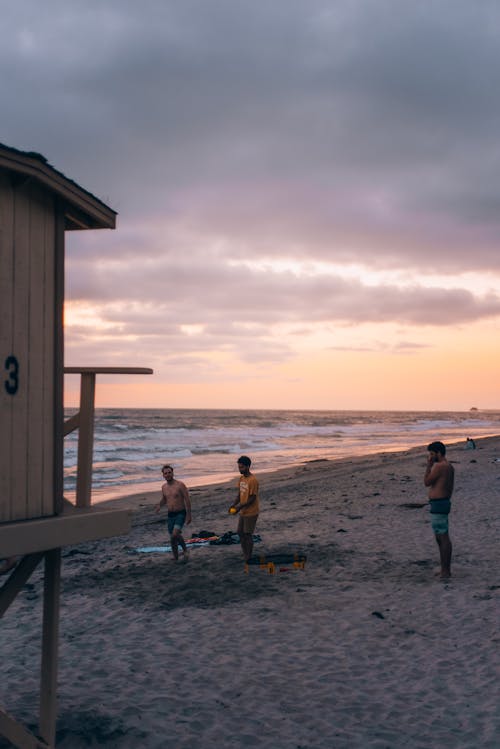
<point x="439" y="509"/>
<point x="176" y="520"/>
<point x="440" y="506"/>
<point x="439" y="523"/>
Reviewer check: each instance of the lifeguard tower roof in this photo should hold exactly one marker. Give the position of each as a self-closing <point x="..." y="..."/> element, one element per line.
<point x="82" y="209"/>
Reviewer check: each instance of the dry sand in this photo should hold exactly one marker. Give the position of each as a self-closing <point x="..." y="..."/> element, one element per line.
<point x="364" y="648"/>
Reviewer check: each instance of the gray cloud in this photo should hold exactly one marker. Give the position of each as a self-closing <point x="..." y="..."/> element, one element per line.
<point x="221" y="130"/>
<point x="173" y="285"/>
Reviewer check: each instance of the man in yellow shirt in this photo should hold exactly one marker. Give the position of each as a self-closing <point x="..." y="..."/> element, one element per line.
<point x="247" y="504"/>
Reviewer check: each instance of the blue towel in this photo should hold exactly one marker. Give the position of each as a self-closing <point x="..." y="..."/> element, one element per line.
<point x="161" y="549"/>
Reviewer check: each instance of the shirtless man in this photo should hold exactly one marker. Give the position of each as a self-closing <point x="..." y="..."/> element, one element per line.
<point x="439" y="477"/>
<point x="175" y="495"/>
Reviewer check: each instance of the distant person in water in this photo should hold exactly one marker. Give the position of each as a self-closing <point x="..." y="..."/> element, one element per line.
<point x="247" y="504"/>
<point x="439" y="477"/>
<point x="175" y="495"/>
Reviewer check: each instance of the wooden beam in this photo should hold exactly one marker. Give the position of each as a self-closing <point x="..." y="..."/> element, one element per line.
<point x="17" y="580"/>
<point x="41" y="534"/>
<point x="108" y="370"/>
<point x="85" y="439"/>
<point x="50" y="638"/>
<point x="18" y="735"/>
<point x="71" y="424"/>
<point x="10" y="728"/>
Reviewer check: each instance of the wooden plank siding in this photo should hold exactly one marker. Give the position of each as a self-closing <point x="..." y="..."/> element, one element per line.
<point x="36" y="343"/>
<point x="6" y="303"/>
<point x="56" y="438"/>
<point x="30" y="411"/>
<point x="40" y="447"/>
<point x="20" y="349"/>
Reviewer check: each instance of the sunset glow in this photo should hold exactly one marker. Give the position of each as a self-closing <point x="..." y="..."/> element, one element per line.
<point x="307" y="199"/>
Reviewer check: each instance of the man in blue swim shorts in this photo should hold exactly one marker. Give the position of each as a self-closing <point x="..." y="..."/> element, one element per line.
<point x="175" y="495"/>
<point x="439" y="477"/>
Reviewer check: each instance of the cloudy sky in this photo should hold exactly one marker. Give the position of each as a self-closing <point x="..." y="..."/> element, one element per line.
<point x="308" y="195"/>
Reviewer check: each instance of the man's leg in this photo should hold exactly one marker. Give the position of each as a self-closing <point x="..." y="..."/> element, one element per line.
<point x="179" y="541"/>
<point x="185" y="554"/>
<point x="246" y="545"/>
<point x="241" y="533"/>
<point x="174" y="544"/>
<point x="445" y="549"/>
<point x="246" y="527"/>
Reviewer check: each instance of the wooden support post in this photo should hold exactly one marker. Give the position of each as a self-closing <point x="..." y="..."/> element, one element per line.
<point x="84" y="421"/>
<point x="18" y="735"/>
<point x="50" y="637"/>
<point x="9" y="727"/>
<point x="85" y="439"/>
<point x="17" y="580"/>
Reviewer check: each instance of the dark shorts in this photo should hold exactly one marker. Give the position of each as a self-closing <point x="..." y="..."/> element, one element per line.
<point x="440" y="506"/>
<point x="247" y="523"/>
<point x="176" y="520"/>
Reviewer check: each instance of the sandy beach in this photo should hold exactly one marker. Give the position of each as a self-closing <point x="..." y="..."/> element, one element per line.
<point x="363" y="649"/>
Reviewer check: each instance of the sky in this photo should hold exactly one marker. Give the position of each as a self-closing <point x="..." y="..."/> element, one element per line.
<point x="308" y="195"/>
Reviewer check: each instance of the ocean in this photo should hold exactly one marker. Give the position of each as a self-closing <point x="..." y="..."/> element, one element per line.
<point x="131" y="445"/>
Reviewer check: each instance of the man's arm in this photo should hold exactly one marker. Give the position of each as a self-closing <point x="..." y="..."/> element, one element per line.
<point x="251" y="499"/>
<point x="163" y="501"/>
<point x="238" y="505"/>
<point x="433" y="472"/>
<point x="187" y="503"/>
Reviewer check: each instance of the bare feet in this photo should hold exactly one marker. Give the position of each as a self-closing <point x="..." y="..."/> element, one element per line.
<point x="442" y="574"/>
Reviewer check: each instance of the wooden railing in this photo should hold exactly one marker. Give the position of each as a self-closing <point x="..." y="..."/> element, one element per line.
<point x="84" y="421"/>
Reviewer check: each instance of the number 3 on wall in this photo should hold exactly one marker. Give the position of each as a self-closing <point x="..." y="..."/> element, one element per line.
<point x="12" y="367"/>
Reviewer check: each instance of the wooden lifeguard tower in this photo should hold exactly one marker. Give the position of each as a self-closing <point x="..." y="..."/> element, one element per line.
<point x="37" y="205"/>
